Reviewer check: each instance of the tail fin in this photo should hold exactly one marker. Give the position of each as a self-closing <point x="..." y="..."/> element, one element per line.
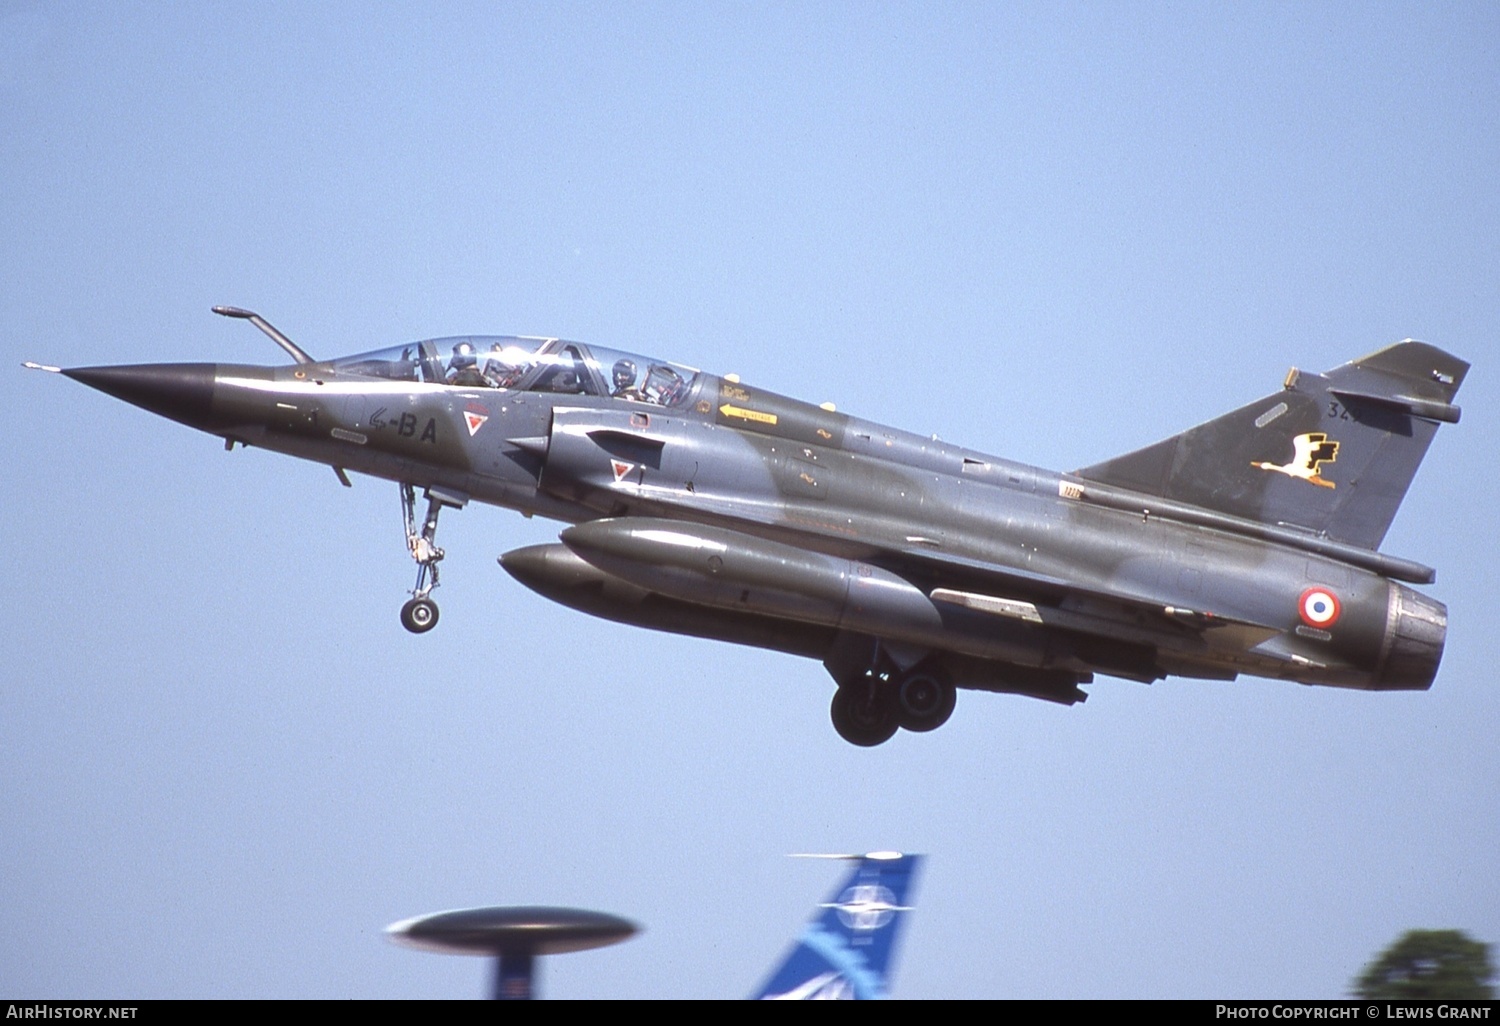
<point x="847" y="947"/>
<point x="1333" y="453"/>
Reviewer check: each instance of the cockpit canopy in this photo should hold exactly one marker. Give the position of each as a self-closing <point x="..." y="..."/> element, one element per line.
<point x="527" y="364"/>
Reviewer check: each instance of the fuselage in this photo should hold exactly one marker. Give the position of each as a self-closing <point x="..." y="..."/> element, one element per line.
<point x="1008" y="568"/>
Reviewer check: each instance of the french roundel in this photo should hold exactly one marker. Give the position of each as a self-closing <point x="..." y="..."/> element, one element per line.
<point x="1319" y="607"/>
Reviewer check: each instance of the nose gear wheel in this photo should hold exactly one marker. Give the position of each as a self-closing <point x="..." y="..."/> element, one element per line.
<point x="419" y="615"/>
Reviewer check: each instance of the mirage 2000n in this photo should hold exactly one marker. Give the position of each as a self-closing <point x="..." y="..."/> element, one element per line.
<point x="909" y="567"/>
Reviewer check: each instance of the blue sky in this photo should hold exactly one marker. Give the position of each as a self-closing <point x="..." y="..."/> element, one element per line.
<point x="1055" y="232"/>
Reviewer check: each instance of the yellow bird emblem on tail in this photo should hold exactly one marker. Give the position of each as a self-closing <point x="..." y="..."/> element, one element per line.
<point x="1309" y="453"/>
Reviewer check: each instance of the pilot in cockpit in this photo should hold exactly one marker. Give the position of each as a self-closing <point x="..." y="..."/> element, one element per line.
<point x="624" y="381"/>
<point x="463" y="370"/>
<point x="499" y="371"/>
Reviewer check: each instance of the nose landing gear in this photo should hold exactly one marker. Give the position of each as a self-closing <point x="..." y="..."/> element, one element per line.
<point x="420" y="614"/>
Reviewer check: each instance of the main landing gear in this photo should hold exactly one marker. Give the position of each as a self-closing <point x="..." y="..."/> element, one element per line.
<point x="870" y="707"/>
<point x="420" y="614"/>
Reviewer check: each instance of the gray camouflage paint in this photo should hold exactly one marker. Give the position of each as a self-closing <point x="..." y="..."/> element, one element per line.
<point x="755" y="518"/>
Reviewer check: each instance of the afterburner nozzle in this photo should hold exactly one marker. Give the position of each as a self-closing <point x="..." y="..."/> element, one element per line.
<point x="1417" y="627"/>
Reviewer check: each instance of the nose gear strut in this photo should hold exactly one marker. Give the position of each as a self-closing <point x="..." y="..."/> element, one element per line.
<point x="420" y="613"/>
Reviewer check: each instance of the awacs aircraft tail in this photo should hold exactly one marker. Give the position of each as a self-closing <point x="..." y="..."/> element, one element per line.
<point x="1332" y="453"/>
<point x="847" y="948"/>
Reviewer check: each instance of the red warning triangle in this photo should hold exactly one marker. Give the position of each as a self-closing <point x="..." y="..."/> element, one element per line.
<point x="474" y="420"/>
<point x="621" y="468"/>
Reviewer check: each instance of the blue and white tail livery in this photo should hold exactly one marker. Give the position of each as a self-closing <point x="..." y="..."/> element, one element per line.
<point x="847" y="950"/>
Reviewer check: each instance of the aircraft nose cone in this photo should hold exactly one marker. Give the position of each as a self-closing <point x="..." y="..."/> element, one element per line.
<point x="183" y="392"/>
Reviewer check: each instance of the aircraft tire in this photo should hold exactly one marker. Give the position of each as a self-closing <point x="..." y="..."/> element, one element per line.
<point x="419" y="615"/>
<point x="925" y="699"/>
<point x="864" y="714"/>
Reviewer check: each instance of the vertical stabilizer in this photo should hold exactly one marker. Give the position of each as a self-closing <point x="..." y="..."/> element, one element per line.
<point x="846" y="951"/>
<point x="1330" y="453"/>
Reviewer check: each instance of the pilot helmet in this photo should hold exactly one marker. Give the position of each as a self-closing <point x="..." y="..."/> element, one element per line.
<point x="463" y="355"/>
<point x="624" y="373"/>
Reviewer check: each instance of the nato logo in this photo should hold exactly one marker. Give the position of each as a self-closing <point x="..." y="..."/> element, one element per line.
<point x="867" y="907"/>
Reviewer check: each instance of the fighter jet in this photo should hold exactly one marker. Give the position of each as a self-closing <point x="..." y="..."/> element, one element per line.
<point x="909" y="567"/>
